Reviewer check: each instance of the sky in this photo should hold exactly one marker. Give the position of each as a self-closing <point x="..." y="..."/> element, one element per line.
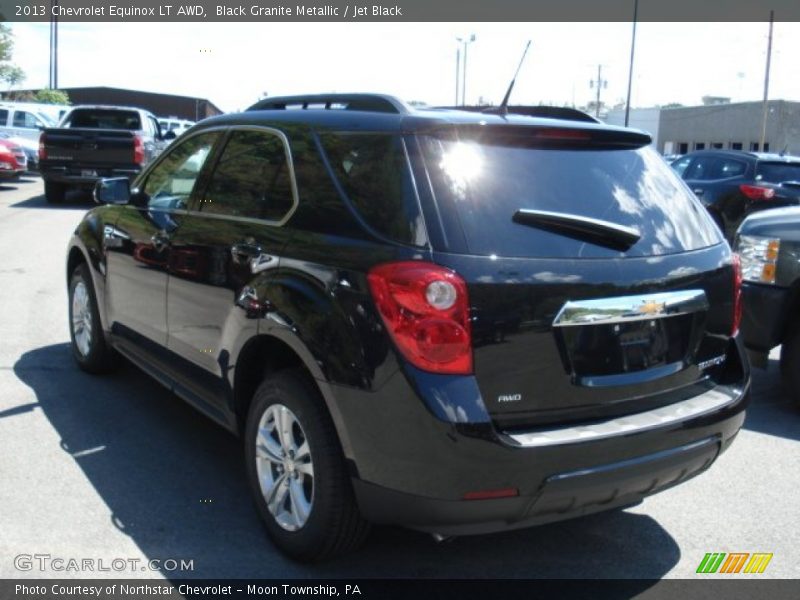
<point x="234" y="64"/>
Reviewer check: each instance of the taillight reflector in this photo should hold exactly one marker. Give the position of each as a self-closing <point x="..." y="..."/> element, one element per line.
<point x="491" y="494"/>
<point x="138" y="150"/>
<point x="426" y="312"/>
<point x="755" y="192"/>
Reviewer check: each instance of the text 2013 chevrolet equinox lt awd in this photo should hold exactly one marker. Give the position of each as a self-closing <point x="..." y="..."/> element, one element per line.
<point x="451" y="321"/>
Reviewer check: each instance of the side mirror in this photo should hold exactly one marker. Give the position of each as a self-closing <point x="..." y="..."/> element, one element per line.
<point x="116" y="190"/>
<point x="170" y="135"/>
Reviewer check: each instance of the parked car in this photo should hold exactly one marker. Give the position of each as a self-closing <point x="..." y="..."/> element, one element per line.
<point x="93" y="142"/>
<point x="769" y="246"/>
<point x="174" y="124"/>
<point x="733" y="184"/>
<point x="314" y="280"/>
<point x="30" y="149"/>
<point x="12" y="160"/>
<point x="23" y="121"/>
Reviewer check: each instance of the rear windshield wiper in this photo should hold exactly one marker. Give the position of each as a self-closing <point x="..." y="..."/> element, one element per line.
<point x="585" y="229"/>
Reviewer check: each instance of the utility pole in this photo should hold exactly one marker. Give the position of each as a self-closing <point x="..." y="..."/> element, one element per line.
<point x="600" y="83"/>
<point x="630" y="70"/>
<point x="53" y="83"/>
<point x="464" y="42"/>
<point x="766" y="83"/>
<point x="458" y="71"/>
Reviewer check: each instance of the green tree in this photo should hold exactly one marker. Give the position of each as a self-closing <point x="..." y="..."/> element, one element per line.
<point x="51" y="97"/>
<point x="9" y="73"/>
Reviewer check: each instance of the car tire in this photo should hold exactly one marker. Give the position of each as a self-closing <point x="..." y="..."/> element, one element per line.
<point x="790" y="362"/>
<point x="54" y="193"/>
<point x="88" y="342"/>
<point x="299" y="478"/>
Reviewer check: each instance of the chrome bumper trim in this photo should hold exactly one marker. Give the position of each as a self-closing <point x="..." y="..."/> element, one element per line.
<point x="708" y="402"/>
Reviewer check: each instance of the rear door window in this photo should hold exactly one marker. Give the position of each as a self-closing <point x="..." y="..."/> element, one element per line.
<point x="253" y="178"/>
<point x="485" y="182"/>
<point x="94" y="118"/>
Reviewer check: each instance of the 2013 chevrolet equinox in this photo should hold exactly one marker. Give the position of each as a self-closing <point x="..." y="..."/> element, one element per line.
<point x="456" y="322"/>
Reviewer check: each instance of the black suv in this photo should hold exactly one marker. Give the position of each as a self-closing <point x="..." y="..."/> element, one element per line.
<point x="452" y="321"/>
<point x="733" y="184"/>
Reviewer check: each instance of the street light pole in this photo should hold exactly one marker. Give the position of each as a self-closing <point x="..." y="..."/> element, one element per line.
<point x="766" y="84"/>
<point x="630" y="70"/>
<point x="464" y="42"/>
<point x="458" y="69"/>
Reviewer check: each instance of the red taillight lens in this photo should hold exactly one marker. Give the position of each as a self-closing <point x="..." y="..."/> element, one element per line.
<point x="138" y="150"/>
<point x="755" y="192"/>
<point x="737" y="294"/>
<point x="42" y="148"/>
<point x="426" y="311"/>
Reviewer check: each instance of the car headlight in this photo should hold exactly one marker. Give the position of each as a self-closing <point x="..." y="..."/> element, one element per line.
<point x="759" y="257"/>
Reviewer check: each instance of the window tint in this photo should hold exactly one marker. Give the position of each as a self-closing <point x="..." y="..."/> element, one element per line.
<point x="25" y="119"/>
<point x="373" y="171"/>
<point x="485" y="182"/>
<point x="94" y="118"/>
<point x="3" y="117"/>
<point x="252" y="178"/>
<point x="775" y="172"/>
<point x="680" y="165"/>
<point x="709" y="168"/>
<point x="171" y="182"/>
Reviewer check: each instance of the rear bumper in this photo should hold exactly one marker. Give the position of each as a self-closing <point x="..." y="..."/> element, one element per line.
<point x="79" y="177"/>
<point x="412" y="468"/>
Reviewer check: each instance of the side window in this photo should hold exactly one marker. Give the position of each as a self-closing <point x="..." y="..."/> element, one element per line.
<point x="252" y="178"/>
<point x="701" y="169"/>
<point x="680" y="165"/>
<point x="374" y="174"/>
<point x="3" y="117"/>
<point x="731" y="168"/>
<point x="171" y="182"/>
<point x="25" y="119"/>
<point x="153" y="126"/>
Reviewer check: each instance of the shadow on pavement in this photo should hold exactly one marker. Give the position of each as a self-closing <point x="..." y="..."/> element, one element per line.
<point x="772" y="411"/>
<point x="75" y="200"/>
<point x="175" y="484"/>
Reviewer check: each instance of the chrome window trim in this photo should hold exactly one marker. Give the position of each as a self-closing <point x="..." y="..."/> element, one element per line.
<point x="626" y="309"/>
<point x="227" y="131"/>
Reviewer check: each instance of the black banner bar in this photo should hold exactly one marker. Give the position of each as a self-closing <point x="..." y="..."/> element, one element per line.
<point x="394" y="11"/>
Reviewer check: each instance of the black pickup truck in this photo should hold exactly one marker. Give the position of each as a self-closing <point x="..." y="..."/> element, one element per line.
<point x="93" y="142"/>
<point x="768" y="243"/>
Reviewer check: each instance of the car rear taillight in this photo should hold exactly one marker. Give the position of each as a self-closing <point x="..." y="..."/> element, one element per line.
<point x="755" y="192"/>
<point x="737" y="294"/>
<point x="42" y="148"/>
<point x="138" y="150"/>
<point x="426" y="311"/>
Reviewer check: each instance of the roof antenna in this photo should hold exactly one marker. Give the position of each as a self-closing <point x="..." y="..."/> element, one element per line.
<point x="503" y="108"/>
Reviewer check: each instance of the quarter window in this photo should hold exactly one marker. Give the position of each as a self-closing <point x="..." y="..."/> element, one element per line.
<point x="252" y="179"/>
<point x="171" y="182"/>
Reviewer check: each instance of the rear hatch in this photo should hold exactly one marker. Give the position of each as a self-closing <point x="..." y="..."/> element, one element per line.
<point x="93" y="138"/>
<point x="781" y="175"/>
<point x="598" y="284"/>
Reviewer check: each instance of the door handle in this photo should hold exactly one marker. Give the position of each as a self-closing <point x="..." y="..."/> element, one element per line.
<point x="698" y="192"/>
<point x="244" y="251"/>
<point x="160" y="241"/>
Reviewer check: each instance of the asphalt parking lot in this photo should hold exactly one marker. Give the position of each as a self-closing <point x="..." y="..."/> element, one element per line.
<point x="118" y="468"/>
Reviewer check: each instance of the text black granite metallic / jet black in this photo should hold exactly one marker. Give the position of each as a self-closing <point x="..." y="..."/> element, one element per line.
<point x="454" y="321"/>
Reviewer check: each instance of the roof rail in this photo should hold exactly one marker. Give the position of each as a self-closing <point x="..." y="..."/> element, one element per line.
<point x="366" y="102"/>
<point x="550" y="112"/>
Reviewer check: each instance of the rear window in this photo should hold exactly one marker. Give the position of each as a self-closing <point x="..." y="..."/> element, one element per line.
<point x="104" y="119"/>
<point x="484" y="182"/>
<point x="777" y="172"/>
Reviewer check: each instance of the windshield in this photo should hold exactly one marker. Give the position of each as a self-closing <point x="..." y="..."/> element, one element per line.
<point x="484" y="182"/>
